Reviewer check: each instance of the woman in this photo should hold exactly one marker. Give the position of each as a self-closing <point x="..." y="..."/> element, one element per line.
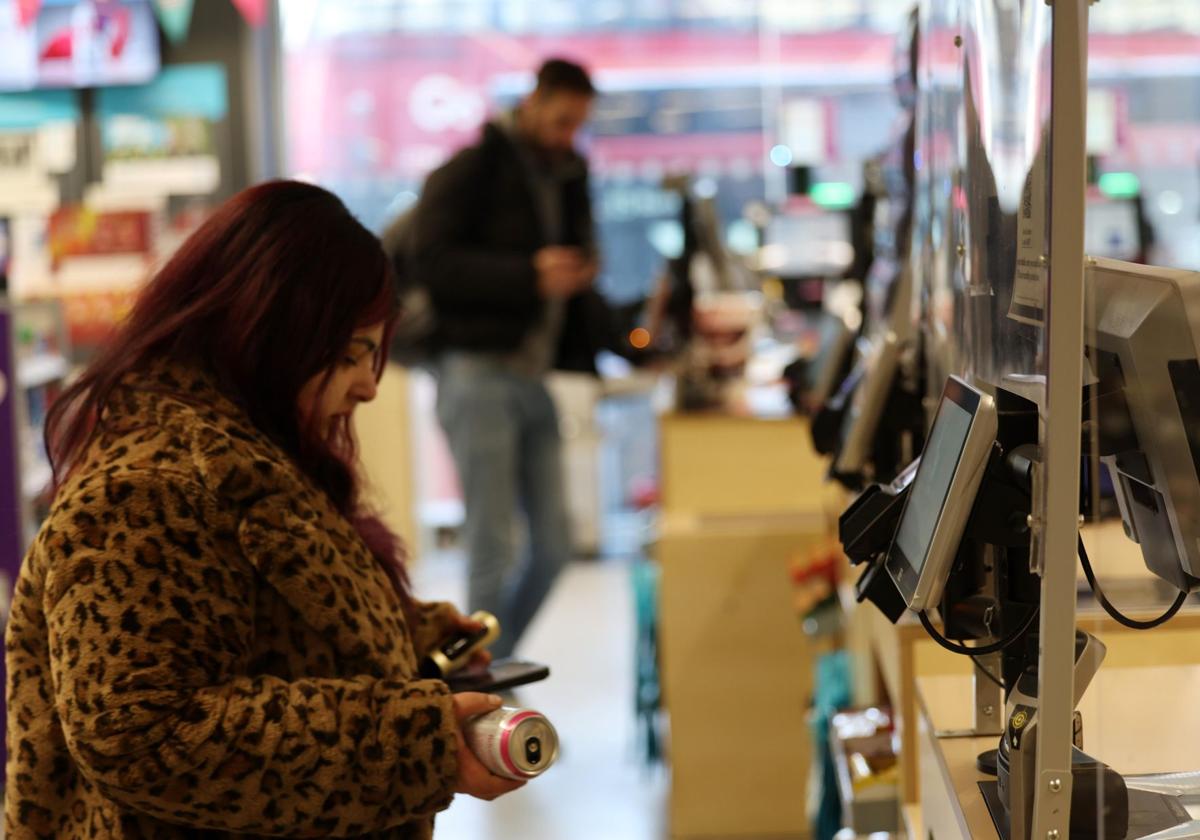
<point x="210" y="636"/>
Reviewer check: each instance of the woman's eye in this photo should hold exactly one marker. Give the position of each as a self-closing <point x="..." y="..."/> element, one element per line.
<point x="349" y="361"/>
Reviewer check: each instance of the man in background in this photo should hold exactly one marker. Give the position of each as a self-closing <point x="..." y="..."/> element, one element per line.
<point x="503" y="240"/>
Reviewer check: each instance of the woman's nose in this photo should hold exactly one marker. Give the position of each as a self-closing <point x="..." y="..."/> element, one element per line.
<point x="365" y="387"/>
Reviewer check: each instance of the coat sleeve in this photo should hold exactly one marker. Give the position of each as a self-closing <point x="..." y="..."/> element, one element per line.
<point x="456" y="270"/>
<point x="151" y="612"/>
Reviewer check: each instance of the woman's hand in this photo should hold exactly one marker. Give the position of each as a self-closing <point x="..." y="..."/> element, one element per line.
<point x="473" y="778"/>
<point x="481" y="658"/>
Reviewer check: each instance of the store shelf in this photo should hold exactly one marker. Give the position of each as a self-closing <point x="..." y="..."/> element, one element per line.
<point x="36" y="479"/>
<point x="874" y="809"/>
<point x="40" y="370"/>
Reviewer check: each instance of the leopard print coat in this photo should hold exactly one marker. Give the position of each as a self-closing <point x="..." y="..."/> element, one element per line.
<point x="201" y="646"/>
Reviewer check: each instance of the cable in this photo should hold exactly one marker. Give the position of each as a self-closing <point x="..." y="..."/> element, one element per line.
<point x="963" y="650"/>
<point x="1116" y="614"/>
<point x="999" y="684"/>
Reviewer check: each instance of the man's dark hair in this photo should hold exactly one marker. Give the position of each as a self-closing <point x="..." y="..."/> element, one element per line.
<point x="557" y="75"/>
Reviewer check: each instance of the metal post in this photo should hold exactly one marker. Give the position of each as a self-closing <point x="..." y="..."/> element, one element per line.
<point x="775" y="183"/>
<point x="1061" y="450"/>
<point x="989" y="697"/>
<point x="263" y="90"/>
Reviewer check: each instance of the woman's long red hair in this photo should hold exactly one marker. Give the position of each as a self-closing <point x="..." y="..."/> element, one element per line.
<point x="265" y="295"/>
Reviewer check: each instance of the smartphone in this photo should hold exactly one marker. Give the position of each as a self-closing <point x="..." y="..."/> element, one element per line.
<point x="500" y="675"/>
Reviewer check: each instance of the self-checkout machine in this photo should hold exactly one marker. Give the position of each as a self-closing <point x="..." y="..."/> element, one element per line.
<point x="984" y="530"/>
<point x="970" y="498"/>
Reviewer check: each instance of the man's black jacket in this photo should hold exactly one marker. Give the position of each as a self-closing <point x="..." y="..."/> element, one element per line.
<point x="474" y="235"/>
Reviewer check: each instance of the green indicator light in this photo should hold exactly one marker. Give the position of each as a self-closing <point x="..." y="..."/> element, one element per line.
<point x="1120" y="184"/>
<point x="832" y="195"/>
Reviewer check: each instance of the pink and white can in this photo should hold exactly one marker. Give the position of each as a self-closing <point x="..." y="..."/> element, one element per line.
<point x="514" y="743"/>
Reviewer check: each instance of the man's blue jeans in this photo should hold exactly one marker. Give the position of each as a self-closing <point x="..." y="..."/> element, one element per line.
<point x="502" y="428"/>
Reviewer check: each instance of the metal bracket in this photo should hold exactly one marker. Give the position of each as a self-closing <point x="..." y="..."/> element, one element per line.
<point x="1055" y="789"/>
<point x="989" y="703"/>
<point x="989" y="697"/>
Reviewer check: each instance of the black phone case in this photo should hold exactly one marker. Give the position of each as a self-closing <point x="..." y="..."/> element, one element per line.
<point x="500" y="675"/>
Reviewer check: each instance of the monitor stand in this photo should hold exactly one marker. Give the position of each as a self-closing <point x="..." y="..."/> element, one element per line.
<point x="989" y="702"/>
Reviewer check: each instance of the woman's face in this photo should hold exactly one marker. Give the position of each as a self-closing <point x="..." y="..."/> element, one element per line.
<point x="352" y="380"/>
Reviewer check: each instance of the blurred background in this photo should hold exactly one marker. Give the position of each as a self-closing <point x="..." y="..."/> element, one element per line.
<point x="753" y="149"/>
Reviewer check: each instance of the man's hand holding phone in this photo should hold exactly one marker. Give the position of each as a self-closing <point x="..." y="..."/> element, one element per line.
<point x="563" y="270"/>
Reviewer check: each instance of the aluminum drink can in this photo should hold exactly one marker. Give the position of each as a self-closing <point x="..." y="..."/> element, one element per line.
<point x="514" y="743"/>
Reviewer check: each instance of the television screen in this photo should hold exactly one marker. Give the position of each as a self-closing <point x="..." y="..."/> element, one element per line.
<point x="89" y="43"/>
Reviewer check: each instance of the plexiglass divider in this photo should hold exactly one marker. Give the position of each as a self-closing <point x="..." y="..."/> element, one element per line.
<point x="997" y="254"/>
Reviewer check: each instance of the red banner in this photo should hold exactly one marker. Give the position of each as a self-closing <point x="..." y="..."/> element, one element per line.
<point x="27" y="10"/>
<point x="254" y="11"/>
<point x="76" y="231"/>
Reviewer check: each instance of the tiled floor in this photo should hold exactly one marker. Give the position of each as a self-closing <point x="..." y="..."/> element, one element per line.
<point x="600" y="789"/>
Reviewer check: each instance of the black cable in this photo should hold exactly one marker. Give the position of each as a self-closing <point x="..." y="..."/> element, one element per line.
<point x="963" y="650"/>
<point x="992" y="677"/>
<point x="989" y="674"/>
<point x="1114" y="613"/>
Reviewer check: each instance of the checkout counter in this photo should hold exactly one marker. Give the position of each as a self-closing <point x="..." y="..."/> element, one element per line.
<point x="746" y="507"/>
<point x="958" y="552"/>
<point x="1131" y="740"/>
<point x="893" y="661"/>
<point x="737" y="666"/>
